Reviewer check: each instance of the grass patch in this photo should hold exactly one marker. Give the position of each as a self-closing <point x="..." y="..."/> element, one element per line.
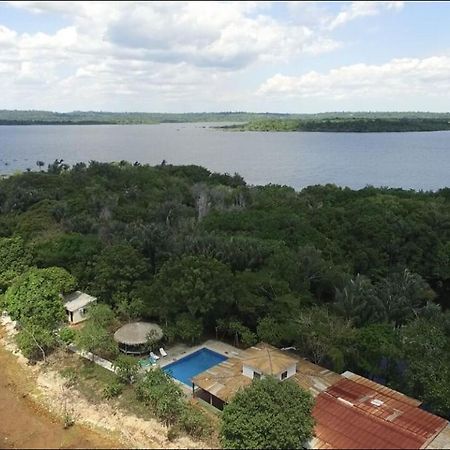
<point x="95" y="383"/>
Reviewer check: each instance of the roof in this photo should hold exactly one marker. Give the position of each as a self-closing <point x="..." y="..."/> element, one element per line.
<point x="267" y="359"/>
<point x="359" y="413"/>
<point x="77" y="300"/>
<point x="381" y="389"/>
<point x="442" y="440"/>
<point x="314" y="378"/>
<point x="136" y="333"/>
<point x="223" y="380"/>
<point x="226" y="378"/>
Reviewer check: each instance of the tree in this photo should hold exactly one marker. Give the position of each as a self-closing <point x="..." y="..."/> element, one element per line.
<point x="157" y="390"/>
<point x="102" y="315"/>
<point x="186" y="328"/>
<point x="377" y="350"/>
<point x="126" y="368"/>
<point x="14" y="260"/>
<point x="199" y="286"/>
<point x="425" y="348"/>
<point x="96" y="340"/>
<point x="35" y="341"/>
<point x="323" y="336"/>
<point x="35" y="296"/>
<point x="403" y="295"/>
<point x="355" y="301"/>
<point x="276" y="333"/>
<point x="116" y="270"/>
<point x="95" y="336"/>
<point x="268" y="414"/>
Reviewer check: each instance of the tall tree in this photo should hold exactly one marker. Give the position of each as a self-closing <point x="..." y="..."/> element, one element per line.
<point x="35" y="296"/>
<point x="268" y="414"/>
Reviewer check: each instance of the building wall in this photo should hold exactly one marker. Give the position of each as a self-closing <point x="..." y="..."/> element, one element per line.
<point x="290" y="372"/>
<point x="247" y="371"/>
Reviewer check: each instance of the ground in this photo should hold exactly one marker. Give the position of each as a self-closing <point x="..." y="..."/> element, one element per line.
<point x="52" y="396"/>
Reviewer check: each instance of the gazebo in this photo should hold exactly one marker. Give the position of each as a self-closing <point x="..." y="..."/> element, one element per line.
<point x="133" y="338"/>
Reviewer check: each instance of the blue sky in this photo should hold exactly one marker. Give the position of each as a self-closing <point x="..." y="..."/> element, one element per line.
<point x="222" y="56"/>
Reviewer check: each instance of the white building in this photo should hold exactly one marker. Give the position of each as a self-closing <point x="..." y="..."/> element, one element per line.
<point x="76" y="305"/>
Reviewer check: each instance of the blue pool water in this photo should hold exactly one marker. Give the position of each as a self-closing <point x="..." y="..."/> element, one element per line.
<point x="190" y="366"/>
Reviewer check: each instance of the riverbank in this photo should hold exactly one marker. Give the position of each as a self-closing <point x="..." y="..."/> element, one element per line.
<point x="35" y="401"/>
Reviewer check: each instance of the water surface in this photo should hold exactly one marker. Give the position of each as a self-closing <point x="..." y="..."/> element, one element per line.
<point x="418" y="160"/>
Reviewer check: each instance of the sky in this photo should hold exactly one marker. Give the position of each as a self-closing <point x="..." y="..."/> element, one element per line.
<point x="296" y="57"/>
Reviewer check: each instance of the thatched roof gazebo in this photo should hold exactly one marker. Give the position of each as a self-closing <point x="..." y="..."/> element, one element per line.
<point x="134" y="337"/>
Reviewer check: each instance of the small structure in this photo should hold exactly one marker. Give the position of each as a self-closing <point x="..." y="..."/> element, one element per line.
<point x="134" y="337"/>
<point x="267" y="360"/>
<point x="76" y="305"/>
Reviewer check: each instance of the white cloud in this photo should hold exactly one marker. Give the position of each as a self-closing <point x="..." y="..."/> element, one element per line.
<point x="398" y="77"/>
<point x="147" y="53"/>
<point x="362" y="9"/>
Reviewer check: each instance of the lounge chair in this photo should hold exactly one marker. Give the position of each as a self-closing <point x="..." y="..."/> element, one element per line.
<point x="163" y="352"/>
<point x="155" y="357"/>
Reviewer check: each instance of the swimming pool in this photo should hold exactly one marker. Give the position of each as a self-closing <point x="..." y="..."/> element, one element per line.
<point x="191" y="365"/>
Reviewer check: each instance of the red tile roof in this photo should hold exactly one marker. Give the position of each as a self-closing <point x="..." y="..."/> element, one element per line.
<point x="358" y="413"/>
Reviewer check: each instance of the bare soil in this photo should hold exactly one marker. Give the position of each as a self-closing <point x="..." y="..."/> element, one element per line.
<point x="24" y="423"/>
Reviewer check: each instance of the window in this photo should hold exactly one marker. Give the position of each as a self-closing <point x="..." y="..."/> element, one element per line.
<point x="284" y="375"/>
<point x="256" y="375"/>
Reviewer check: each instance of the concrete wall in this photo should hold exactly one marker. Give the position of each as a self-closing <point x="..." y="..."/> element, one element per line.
<point x="247" y="371"/>
<point x="78" y="316"/>
<point x="290" y="372"/>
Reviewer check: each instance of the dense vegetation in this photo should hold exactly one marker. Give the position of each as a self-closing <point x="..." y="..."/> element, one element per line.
<point x="268" y="414"/>
<point x="346" y="124"/>
<point x="356" y="280"/>
<point x="258" y="121"/>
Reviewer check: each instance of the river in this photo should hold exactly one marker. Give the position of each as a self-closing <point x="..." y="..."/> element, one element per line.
<point x="414" y="160"/>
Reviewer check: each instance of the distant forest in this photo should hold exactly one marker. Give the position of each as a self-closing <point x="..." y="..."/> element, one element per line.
<point x="331" y="121"/>
<point x="346" y="124"/>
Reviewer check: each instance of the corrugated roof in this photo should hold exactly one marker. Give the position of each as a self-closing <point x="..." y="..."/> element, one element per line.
<point x="381" y="389"/>
<point x="223" y="380"/>
<point x="339" y="425"/>
<point x="442" y="440"/>
<point x="77" y="300"/>
<point x="358" y="413"/>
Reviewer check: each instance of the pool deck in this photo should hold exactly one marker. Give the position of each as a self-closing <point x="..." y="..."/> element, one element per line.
<point x="178" y="351"/>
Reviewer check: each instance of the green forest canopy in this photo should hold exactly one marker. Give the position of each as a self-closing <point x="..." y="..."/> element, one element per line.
<point x="355" y="279"/>
<point x="330" y="121"/>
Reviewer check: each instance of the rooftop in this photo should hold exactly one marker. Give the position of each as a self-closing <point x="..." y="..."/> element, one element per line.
<point x="268" y="359"/>
<point x="359" y="413"/>
<point x="226" y="378"/>
<point x="137" y="333"/>
<point x="77" y="300"/>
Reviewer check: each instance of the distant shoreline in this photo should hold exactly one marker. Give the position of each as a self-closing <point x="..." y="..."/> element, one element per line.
<point x="344" y="125"/>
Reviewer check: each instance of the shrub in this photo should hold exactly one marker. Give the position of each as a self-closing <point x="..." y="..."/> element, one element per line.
<point x="113" y="389"/>
<point x="126" y="368"/>
<point x="194" y="422"/>
<point x="67" y="335"/>
<point x="158" y="391"/>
